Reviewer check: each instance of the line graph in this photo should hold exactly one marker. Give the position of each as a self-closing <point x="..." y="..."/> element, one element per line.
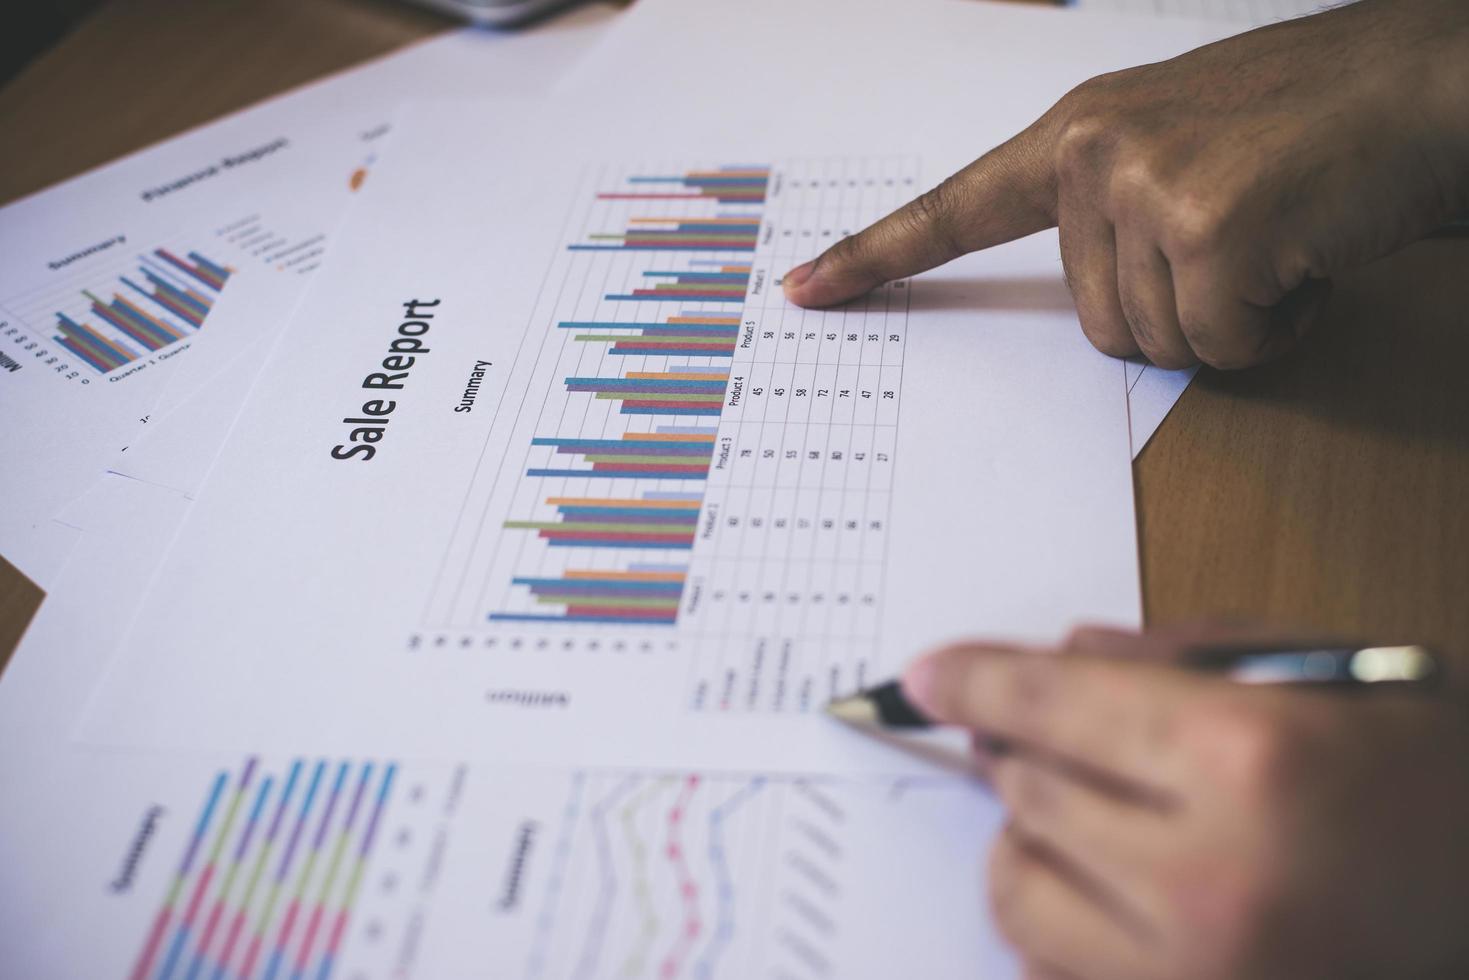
<point x="693" y="875"/>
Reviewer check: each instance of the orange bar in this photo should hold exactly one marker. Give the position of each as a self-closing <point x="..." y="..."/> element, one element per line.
<point x="601" y="502"/>
<point x="631" y="576"/>
<point x="728" y="173"/>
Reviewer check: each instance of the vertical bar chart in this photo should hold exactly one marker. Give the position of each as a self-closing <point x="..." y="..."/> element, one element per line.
<point x="265" y="850"/>
<point x="164" y="298"/>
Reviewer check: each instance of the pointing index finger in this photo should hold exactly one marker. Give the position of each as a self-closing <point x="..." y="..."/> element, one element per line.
<point x="1006" y="194"/>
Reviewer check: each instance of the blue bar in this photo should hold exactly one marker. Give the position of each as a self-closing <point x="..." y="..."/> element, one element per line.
<point x="677" y="329"/>
<point x="662" y="247"/>
<point x="706" y="276"/>
<point x="701" y="181"/>
<point x="642" y="518"/>
<point x="606" y="325"/>
<point x="581" y="585"/>
<point x="635" y="446"/>
<point x="627" y="410"/>
<point x="711" y="298"/>
<point x="209" y="266"/>
<point x="644" y="384"/>
<point x="534" y="618"/>
<point x="572" y="543"/>
<point x="674" y="515"/>
<point x="684" y="453"/>
<point x="673" y="352"/>
<point x="618" y="474"/>
<point x="175" y="291"/>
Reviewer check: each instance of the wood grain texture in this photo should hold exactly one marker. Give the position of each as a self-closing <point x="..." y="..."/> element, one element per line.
<point x="1330" y="490"/>
<point x="1327" y="491"/>
<point x="139" y="71"/>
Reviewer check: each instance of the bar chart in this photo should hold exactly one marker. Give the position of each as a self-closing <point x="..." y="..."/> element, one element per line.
<point x="693" y="459"/>
<point x="118" y="313"/>
<point x="296" y="867"/>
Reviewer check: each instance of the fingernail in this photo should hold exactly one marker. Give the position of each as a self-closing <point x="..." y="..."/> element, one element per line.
<point x="798" y="276"/>
<point x="918" y="684"/>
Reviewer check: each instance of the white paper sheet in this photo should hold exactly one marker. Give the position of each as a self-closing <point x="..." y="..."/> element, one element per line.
<point x="261" y="189"/>
<point x="181" y="864"/>
<point x="370" y="562"/>
<point x="924" y="97"/>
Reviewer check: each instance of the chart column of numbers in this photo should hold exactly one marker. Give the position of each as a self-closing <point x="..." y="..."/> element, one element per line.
<point x="789" y="598"/>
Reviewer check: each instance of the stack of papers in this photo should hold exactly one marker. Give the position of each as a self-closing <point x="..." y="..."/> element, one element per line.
<point x="452" y="535"/>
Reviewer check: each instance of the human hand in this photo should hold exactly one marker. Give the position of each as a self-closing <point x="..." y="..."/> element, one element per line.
<point x="1205" y="202"/>
<point x="1165" y="823"/>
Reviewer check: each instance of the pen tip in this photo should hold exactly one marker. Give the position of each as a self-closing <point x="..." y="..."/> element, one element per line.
<point x="855" y="710"/>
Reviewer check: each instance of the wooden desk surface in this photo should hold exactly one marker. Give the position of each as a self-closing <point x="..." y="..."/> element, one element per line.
<point x="1328" y="491"/>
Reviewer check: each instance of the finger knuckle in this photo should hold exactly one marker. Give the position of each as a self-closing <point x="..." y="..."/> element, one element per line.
<point x="1139" y="180"/>
<point x="1081" y="143"/>
<point x="1221" y="348"/>
<point x="1195" y="224"/>
<point x="1029" y="794"/>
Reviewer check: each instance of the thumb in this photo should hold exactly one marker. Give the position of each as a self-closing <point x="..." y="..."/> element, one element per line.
<point x="1006" y="194"/>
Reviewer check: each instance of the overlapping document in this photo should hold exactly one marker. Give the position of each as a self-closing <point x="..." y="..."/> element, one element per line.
<point x="493" y="641"/>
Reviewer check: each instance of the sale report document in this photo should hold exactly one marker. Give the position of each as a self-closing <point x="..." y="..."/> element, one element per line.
<point x="110" y="279"/>
<point x="547" y="443"/>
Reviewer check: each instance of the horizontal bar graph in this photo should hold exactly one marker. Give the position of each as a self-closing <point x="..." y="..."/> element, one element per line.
<point x="727" y="285"/>
<point x="688" y="334"/>
<point x="736" y="234"/>
<point x="644" y="594"/>
<point x="628" y="522"/>
<point x="740" y="184"/>
<point x="636" y="455"/>
<point x="673" y="386"/>
<point x="266" y="856"/>
<point x="168" y="298"/>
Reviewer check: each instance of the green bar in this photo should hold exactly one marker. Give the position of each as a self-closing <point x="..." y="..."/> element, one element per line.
<point x="660" y="460"/>
<point x="692" y="236"/>
<point x="590" y="600"/>
<point x="658" y="396"/>
<point x="611" y="528"/>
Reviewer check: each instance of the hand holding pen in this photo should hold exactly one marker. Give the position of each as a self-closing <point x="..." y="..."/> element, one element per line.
<point x="1172" y="822"/>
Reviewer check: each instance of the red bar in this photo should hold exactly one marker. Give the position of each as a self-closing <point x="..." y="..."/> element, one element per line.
<point x="642" y="536"/>
<point x="677" y="405"/>
<point x="651" y="467"/>
<point x="619" y="611"/>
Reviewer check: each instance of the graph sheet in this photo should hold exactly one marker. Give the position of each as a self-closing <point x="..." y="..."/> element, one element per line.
<point x="528" y="456"/>
<point x="260" y="865"/>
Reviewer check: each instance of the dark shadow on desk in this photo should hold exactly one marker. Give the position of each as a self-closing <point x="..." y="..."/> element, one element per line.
<point x="1020" y="293"/>
<point x="1389" y="354"/>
